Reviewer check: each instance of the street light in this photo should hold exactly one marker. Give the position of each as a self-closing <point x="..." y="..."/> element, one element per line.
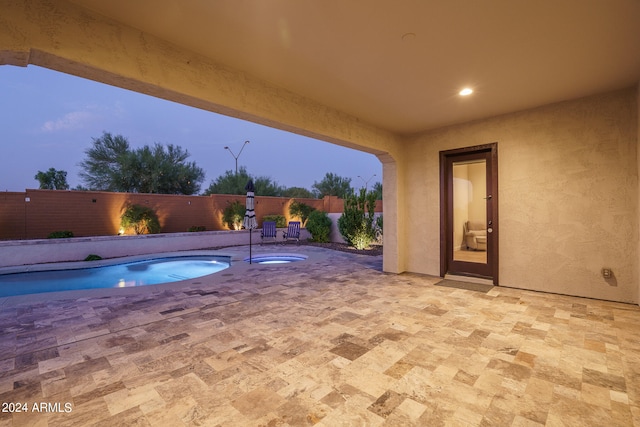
<point x="236" y="157"/>
<point x="366" y="182"/>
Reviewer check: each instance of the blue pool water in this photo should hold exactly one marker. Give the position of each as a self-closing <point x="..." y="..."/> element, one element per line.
<point x="140" y="273"/>
<point x="275" y="258"/>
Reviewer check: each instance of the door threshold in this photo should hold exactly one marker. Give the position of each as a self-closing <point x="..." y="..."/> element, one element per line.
<point x="469" y="279"/>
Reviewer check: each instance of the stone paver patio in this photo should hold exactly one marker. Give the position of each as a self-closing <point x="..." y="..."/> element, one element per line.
<point x="330" y="341"/>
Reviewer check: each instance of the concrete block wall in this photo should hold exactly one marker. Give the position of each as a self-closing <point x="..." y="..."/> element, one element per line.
<point x="34" y="214"/>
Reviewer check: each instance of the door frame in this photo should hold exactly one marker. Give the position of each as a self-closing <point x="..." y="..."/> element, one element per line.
<point x="446" y="195"/>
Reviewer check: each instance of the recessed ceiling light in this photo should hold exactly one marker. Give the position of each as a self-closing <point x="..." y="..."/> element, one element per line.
<point x="466" y="91"/>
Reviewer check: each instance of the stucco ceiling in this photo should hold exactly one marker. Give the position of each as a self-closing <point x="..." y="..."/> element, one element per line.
<point x="351" y="54"/>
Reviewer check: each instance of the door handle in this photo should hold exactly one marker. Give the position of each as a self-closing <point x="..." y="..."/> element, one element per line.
<point x="488" y="197"/>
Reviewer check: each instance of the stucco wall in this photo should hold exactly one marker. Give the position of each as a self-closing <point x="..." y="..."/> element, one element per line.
<point x="568" y="191"/>
<point x="638" y="195"/>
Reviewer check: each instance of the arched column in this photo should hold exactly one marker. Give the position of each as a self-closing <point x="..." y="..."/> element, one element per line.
<point x="393" y="260"/>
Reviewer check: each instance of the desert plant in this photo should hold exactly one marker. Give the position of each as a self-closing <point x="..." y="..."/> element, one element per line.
<point x="93" y="257"/>
<point x="357" y="221"/>
<point x="60" y="234"/>
<point x="280" y="220"/>
<point x="319" y="226"/>
<point x="301" y="210"/>
<point x="142" y="219"/>
<point x="233" y="215"/>
<point x="379" y="228"/>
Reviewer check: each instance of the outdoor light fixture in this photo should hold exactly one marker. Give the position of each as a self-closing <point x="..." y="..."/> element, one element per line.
<point x="466" y="91"/>
<point x="234" y="156"/>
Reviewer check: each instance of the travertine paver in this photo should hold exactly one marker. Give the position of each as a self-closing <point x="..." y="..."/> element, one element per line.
<point x="329" y="341"/>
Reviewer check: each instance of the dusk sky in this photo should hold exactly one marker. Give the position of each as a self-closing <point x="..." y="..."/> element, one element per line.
<point x="48" y="120"/>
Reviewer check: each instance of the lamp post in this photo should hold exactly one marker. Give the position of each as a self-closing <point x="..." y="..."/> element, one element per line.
<point x="236" y="157"/>
<point x="366" y="183"/>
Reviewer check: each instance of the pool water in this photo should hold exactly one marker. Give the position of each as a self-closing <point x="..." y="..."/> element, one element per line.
<point x="139" y="273"/>
<point x="275" y="258"/>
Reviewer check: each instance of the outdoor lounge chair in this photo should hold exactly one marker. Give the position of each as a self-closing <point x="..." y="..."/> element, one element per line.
<point x="268" y="231"/>
<point x="293" y="231"/>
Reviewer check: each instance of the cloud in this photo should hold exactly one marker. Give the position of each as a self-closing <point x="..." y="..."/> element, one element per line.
<point x="70" y="121"/>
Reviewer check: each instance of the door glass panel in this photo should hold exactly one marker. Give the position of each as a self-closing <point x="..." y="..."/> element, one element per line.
<point x="470" y="211"/>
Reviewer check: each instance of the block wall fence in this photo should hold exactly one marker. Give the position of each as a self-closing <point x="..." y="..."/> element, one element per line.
<point x="34" y="214"/>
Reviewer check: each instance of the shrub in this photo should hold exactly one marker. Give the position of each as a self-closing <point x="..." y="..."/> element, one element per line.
<point x="301" y="210"/>
<point x="319" y="225"/>
<point x="379" y="228"/>
<point x="280" y="220"/>
<point x="357" y="222"/>
<point x="93" y="257"/>
<point x="60" y="235"/>
<point x="142" y="219"/>
<point x="196" y="228"/>
<point x="233" y="215"/>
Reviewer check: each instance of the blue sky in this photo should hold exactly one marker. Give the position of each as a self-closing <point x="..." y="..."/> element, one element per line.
<point x="48" y="120"/>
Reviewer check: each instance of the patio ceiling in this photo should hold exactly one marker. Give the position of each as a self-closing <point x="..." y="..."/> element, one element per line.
<point x="400" y="65"/>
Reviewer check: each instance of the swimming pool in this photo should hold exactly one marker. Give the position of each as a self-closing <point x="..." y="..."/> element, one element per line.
<point x="275" y="258"/>
<point x="130" y="274"/>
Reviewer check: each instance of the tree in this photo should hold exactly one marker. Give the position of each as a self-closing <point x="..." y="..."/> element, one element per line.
<point x="229" y="183"/>
<point x="266" y="187"/>
<point x="332" y="185"/>
<point x="377" y="190"/>
<point x="52" y="179"/>
<point x="298" y="193"/>
<point x="103" y="167"/>
<point x="164" y="170"/>
<point x="111" y="165"/>
<point x="234" y="183"/>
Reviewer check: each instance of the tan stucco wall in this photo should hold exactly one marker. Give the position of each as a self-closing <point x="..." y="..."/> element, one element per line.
<point x="568" y="195"/>
<point x="638" y="196"/>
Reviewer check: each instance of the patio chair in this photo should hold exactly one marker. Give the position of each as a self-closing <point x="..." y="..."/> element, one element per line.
<point x="268" y="231"/>
<point x="293" y="231"/>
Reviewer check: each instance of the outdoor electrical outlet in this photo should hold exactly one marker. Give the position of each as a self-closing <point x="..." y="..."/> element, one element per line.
<point x="606" y="273"/>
